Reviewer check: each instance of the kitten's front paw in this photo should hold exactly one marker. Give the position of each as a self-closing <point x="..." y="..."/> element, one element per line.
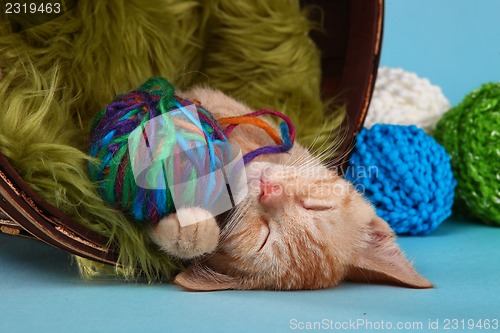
<point x="198" y="236"/>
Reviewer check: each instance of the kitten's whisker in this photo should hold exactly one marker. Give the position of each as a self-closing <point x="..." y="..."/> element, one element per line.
<point x="335" y="144"/>
<point x="316" y="137"/>
<point x="234" y="217"/>
<point x="336" y="161"/>
<point x="309" y="163"/>
<point x="309" y="148"/>
<point x="308" y="152"/>
<point x="329" y="135"/>
<point x="298" y="160"/>
<point x="313" y="143"/>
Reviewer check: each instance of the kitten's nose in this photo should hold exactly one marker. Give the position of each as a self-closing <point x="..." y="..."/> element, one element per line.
<point x="269" y="190"/>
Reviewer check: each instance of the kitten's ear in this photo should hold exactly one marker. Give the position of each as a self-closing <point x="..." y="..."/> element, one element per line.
<point x="381" y="260"/>
<point x="199" y="277"/>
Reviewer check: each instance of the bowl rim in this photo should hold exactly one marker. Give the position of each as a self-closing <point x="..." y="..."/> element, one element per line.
<point x="24" y="213"/>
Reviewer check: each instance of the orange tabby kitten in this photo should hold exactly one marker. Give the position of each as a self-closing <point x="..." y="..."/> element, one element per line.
<point x="300" y="227"/>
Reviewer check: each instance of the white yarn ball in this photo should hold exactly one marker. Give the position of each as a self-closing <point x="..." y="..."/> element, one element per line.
<point x="403" y="98"/>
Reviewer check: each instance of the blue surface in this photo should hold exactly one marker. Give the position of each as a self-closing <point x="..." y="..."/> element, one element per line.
<point x="40" y="291"/>
<point x="456" y="44"/>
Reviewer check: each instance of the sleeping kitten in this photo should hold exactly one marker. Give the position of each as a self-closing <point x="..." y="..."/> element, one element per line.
<point x="300" y="227"/>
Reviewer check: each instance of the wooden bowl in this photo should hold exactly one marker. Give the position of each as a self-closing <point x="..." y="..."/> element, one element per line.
<point x="350" y="45"/>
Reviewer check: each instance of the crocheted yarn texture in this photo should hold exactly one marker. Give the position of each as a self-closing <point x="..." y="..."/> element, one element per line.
<point x="471" y="134"/>
<point x="407" y="176"/>
<point x="403" y="98"/>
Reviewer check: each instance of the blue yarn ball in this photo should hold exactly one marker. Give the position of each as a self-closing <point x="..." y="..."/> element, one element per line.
<point x="406" y="175"/>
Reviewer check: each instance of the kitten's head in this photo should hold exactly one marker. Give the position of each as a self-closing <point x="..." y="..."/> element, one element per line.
<point x="301" y="227"/>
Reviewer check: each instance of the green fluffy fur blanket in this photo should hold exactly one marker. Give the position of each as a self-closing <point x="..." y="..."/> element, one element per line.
<point x="58" y="75"/>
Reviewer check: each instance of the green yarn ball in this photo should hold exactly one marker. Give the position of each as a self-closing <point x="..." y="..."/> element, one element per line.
<point x="470" y="132"/>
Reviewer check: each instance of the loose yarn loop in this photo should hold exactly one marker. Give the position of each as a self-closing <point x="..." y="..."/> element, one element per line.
<point x="284" y="143"/>
<point x="202" y="141"/>
<point x="470" y="132"/>
<point x="406" y="175"/>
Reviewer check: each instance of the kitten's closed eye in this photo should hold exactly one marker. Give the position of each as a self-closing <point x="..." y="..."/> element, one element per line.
<point x="316" y="205"/>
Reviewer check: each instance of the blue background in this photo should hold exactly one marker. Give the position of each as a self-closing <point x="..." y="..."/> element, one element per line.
<point x="454" y="43"/>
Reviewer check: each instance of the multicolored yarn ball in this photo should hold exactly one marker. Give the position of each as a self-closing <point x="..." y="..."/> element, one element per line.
<point x="470" y="132"/>
<point x="406" y="175"/>
<point x="403" y="98"/>
<point x="142" y="148"/>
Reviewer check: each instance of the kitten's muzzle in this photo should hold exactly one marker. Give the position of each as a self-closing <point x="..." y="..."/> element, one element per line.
<point x="269" y="191"/>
